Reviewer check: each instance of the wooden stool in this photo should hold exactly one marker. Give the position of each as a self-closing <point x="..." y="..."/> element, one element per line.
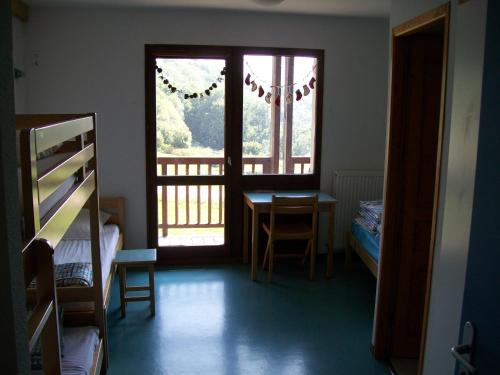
<point x="136" y="258"/>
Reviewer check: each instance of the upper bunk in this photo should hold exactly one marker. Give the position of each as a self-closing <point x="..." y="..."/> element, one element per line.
<point x="66" y="182"/>
<point x="58" y="168"/>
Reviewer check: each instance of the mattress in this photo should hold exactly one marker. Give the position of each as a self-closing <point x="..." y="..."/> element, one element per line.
<point x="80" y="344"/>
<point x="369" y="240"/>
<point x="75" y="251"/>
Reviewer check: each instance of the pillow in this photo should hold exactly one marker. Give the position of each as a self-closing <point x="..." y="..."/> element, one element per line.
<point x="80" y="228"/>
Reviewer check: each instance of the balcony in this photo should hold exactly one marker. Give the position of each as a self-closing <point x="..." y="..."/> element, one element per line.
<point x="193" y="215"/>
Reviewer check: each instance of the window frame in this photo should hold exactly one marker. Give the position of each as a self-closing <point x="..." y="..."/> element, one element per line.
<point x="236" y="181"/>
<point x="284" y="181"/>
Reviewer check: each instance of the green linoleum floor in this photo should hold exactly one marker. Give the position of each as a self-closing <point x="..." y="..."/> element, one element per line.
<point x="215" y="321"/>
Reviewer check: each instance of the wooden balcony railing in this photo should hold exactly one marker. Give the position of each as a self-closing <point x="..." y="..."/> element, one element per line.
<point x="207" y="209"/>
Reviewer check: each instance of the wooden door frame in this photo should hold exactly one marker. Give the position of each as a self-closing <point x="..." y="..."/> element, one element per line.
<point x="201" y="254"/>
<point x="236" y="182"/>
<point x="385" y="303"/>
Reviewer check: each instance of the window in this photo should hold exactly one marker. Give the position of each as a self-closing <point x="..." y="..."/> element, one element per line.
<point x="279" y="105"/>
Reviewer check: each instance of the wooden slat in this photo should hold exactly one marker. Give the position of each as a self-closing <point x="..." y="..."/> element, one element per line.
<point x="97" y="359"/>
<point x="195" y="225"/>
<point x="52" y="179"/>
<point x="220" y="196"/>
<point x="176" y="202"/>
<point x="136" y="288"/>
<point x="61" y="217"/>
<point x="37" y="321"/>
<point x="209" y="204"/>
<point x="52" y="135"/>
<point x="187" y="204"/>
<point x="198" y="205"/>
<point x="136" y="298"/>
<point x="164" y="202"/>
<point x="75" y="293"/>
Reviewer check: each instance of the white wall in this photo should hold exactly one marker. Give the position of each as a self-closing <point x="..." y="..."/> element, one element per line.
<point x="463" y="102"/>
<point x="18" y="42"/>
<point x="81" y="60"/>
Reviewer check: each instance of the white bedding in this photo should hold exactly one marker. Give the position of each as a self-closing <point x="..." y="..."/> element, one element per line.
<point x="72" y="251"/>
<point x="80" y="344"/>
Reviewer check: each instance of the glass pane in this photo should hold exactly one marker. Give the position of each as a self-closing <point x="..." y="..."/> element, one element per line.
<point x="190" y="114"/>
<point x="256" y="116"/>
<point x="279" y="100"/>
<point x="191" y="215"/>
<point x="304" y="121"/>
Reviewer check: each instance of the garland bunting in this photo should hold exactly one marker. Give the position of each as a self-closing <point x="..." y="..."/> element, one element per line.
<point x="173" y="89"/>
<point x="276" y="91"/>
<point x="273" y="92"/>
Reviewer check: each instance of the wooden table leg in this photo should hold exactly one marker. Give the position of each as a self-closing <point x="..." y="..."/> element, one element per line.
<point x="123" y="285"/>
<point x="245" y="232"/>
<point x="331" y="229"/>
<point x="255" y="242"/>
<point x="152" y="289"/>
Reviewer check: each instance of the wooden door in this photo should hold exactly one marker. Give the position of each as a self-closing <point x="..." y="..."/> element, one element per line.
<point x="420" y="138"/>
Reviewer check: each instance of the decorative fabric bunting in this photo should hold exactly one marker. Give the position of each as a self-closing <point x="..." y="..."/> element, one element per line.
<point x="311" y="82"/>
<point x="306" y="90"/>
<point x="261" y="91"/>
<point x="173" y="89"/>
<point x="275" y="91"/>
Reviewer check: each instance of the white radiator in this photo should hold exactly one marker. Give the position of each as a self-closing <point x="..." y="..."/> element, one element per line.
<point x="349" y="187"/>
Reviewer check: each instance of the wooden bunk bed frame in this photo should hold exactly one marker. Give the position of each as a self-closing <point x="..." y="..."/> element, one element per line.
<point x="353" y="243"/>
<point x="43" y="322"/>
<point x="78" y="134"/>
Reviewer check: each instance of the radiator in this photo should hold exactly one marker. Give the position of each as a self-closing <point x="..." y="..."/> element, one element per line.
<point x="349" y="187"/>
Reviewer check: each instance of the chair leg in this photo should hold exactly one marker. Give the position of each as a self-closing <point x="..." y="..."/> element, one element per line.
<point x="308" y="249"/>
<point x="271" y="261"/>
<point x="348" y="252"/>
<point x="312" y="269"/>
<point x="265" y="255"/>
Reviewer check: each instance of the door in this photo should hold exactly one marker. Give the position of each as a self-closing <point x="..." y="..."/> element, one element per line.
<point x="481" y="305"/>
<point x="418" y="184"/>
<point x="419" y="64"/>
<point x="188" y="158"/>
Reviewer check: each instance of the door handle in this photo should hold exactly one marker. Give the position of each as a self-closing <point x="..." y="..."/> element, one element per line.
<point x="458" y="352"/>
<point x="463" y="352"/>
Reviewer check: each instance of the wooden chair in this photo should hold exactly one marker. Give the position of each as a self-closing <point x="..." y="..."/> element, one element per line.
<point x="282" y="205"/>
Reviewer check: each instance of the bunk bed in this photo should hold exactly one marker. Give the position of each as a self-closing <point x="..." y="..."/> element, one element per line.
<point x="53" y="197"/>
<point x="365" y="241"/>
<point x="42" y="165"/>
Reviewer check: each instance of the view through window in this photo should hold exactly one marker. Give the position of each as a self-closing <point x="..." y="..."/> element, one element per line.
<point x="190" y="100"/>
<point x="278" y="114"/>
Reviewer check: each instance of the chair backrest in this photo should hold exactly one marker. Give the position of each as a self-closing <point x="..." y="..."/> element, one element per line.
<point x="300" y="205"/>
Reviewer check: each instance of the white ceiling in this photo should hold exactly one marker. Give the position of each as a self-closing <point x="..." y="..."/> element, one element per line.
<point x="376" y="8"/>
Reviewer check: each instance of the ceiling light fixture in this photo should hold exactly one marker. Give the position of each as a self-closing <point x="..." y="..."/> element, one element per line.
<point x="268" y="2"/>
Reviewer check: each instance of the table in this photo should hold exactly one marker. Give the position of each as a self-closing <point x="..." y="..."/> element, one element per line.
<point x="260" y="202"/>
<point x="136" y="258"/>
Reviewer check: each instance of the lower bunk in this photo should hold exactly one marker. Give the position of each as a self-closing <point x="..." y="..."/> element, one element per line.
<point x="364" y="237"/>
<point x="366" y="244"/>
<point x="81" y="352"/>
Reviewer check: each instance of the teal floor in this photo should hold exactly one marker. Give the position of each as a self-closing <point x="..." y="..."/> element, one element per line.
<point x="215" y="321"/>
